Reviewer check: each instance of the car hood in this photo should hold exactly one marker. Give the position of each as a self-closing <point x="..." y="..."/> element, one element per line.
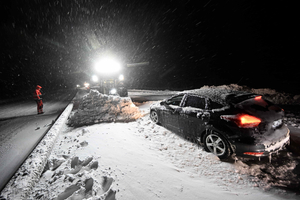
<point x="155" y="105"/>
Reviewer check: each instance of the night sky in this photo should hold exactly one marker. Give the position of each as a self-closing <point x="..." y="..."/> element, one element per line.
<point x="188" y="44"/>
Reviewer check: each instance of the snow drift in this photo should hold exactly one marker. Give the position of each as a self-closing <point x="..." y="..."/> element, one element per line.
<point x="95" y="108"/>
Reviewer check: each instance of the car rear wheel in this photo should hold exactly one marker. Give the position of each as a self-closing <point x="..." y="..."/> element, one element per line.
<point x="217" y="144"/>
<point x="154" y="116"/>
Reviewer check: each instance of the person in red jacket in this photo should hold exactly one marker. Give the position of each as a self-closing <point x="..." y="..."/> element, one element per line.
<point x="37" y="97"/>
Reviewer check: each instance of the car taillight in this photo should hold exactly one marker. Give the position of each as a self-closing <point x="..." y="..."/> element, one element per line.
<point x="258" y="97"/>
<point x="242" y="120"/>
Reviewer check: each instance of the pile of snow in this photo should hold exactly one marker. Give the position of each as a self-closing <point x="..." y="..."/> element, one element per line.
<point x="97" y="108"/>
<point x="269" y="94"/>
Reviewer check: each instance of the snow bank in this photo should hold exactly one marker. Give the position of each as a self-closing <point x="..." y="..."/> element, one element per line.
<point x="269" y="94"/>
<point x="96" y="108"/>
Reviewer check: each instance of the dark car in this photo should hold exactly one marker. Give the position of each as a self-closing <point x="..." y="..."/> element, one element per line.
<point x="224" y="122"/>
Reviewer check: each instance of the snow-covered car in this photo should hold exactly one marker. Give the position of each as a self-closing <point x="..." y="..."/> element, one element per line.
<point x="225" y="123"/>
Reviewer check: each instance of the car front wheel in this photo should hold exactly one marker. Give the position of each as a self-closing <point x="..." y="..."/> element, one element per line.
<point x="154" y="116"/>
<point x="217" y="144"/>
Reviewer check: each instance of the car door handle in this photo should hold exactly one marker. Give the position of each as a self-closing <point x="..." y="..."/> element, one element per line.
<point x="200" y="115"/>
<point x="203" y="115"/>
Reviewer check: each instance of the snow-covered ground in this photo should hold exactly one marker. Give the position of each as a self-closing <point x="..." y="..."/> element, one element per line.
<point x="126" y="156"/>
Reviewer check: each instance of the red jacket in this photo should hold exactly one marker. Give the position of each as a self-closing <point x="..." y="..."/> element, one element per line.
<point x="37" y="93"/>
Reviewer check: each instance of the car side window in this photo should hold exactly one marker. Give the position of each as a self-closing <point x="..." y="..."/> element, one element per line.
<point x="215" y="105"/>
<point x="195" y="102"/>
<point x="175" y="100"/>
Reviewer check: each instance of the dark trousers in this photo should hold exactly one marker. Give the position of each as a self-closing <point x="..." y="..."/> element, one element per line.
<point x="39" y="106"/>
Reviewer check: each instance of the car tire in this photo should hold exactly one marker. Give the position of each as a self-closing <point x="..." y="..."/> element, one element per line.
<point x="154" y="117"/>
<point x="215" y="143"/>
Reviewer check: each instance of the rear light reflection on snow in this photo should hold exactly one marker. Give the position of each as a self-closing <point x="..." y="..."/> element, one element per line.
<point x="242" y="120"/>
<point x="254" y="153"/>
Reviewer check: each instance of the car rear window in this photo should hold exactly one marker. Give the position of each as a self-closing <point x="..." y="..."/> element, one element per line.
<point x="214" y="105"/>
<point x="195" y="102"/>
<point x="257" y="104"/>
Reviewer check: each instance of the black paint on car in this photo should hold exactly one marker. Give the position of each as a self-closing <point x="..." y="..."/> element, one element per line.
<point x="225" y="123"/>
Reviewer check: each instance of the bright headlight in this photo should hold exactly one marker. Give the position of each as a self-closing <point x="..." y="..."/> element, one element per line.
<point x="107" y="66"/>
<point x="113" y="91"/>
<point x="86" y="84"/>
<point x="95" y="78"/>
<point x="121" y="77"/>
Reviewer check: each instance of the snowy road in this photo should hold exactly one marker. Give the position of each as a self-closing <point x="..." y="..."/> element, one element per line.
<point x="108" y="154"/>
<point x="21" y="128"/>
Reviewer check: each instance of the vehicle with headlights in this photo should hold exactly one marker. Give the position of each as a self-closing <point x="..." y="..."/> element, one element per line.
<point x="86" y="86"/>
<point x="109" y="78"/>
<point x="225" y="123"/>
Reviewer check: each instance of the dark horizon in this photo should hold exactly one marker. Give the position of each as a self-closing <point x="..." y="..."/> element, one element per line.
<point x="187" y="44"/>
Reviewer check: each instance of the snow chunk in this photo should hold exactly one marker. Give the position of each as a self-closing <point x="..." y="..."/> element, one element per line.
<point x="96" y="108"/>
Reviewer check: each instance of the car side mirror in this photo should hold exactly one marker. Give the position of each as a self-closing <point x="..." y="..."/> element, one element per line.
<point x="167" y="106"/>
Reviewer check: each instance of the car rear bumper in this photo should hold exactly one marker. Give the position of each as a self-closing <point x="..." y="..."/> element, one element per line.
<point x="263" y="148"/>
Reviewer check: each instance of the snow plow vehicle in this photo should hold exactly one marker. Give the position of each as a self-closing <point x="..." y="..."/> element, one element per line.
<point x="109" y="79"/>
<point x="112" y="86"/>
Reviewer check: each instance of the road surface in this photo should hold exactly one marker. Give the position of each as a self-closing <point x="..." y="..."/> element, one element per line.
<point x="21" y="128"/>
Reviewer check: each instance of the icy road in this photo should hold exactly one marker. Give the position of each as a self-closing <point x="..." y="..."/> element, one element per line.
<point x="21" y="128"/>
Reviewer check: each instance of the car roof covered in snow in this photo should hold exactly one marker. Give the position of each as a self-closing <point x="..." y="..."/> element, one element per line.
<point x="221" y="96"/>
